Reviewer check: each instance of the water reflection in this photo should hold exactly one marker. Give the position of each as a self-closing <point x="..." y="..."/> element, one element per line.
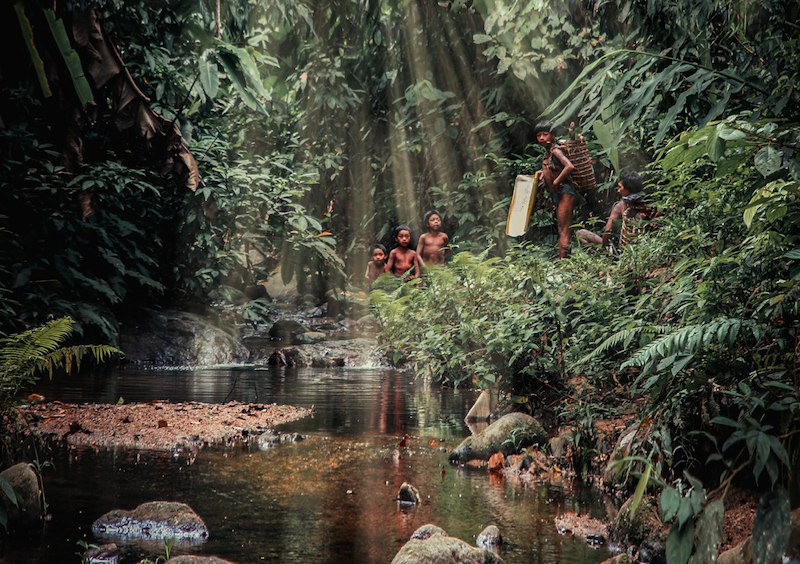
<point x="330" y="498"/>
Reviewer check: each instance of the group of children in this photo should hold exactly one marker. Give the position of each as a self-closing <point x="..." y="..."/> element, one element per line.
<point x="432" y="248"/>
<point x="631" y="209"/>
<point x="403" y="261"/>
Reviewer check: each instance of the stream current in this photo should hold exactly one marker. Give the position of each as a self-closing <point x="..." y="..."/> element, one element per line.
<point x="329" y="498"/>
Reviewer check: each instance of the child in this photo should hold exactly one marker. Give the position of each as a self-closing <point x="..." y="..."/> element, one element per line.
<point x="376" y="266"/>
<point x="629" y="209"/>
<point x="432" y="246"/>
<point x="555" y="172"/>
<point x="403" y="261"/>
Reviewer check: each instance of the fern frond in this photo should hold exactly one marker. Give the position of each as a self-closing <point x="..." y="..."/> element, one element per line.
<point x="623" y="337"/>
<point x="20" y="351"/>
<point x="69" y="358"/>
<point x="686" y="341"/>
<point x="24" y="355"/>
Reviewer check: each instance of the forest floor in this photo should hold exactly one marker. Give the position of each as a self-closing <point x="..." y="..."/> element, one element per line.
<point x="158" y="425"/>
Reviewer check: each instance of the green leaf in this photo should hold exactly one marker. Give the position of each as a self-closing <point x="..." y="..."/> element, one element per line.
<point x="71" y="58"/>
<point x="641" y="487"/>
<point x="679" y="544"/>
<point x="768" y="160"/>
<point x="772" y="527"/>
<point x="209" y="74"/>
<point x="669" y="502"/>
<point x="9" y="491"/>
<point x="36" y="59"/>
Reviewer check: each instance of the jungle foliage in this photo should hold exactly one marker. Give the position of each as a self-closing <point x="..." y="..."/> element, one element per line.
<point x="695" y="324"/>
<point x="317" y="126"/>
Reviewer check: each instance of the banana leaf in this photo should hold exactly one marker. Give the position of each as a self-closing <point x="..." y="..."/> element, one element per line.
<point x="36" y="59"/>
<point x="71" y="59"/>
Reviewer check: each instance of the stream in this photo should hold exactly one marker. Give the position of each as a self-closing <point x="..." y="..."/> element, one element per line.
<point x="329" y="498"/>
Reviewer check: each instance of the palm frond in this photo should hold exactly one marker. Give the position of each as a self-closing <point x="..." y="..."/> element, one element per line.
<point x="20" y="352"/>
<point x="25" y="355"/>
<point x="686" y="341"/>
<point x="623" y="337"/>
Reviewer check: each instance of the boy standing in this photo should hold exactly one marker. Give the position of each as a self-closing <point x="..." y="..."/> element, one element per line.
<point x="403" y="261"/>
<point x="555" y="172"/>
<point x="432" y="246"/>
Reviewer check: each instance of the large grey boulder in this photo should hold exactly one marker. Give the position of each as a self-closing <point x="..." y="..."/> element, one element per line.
<point x="287" y="330"/>
<point x="28" y="509"/>
<point x="153" y="520"/>
<point x="430" y="544"/>
<point x="177" y="338"/>
<point x="508" y="435"/>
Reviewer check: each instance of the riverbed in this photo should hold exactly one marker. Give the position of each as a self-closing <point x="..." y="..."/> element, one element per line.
<point x="328" y="498"/>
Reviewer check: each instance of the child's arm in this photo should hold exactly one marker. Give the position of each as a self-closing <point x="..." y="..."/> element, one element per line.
<point x="615" y="215"/>
<point x="446" y="252"/>
<point x="366" y="274"/>
<point x="421" y="244"/>
<point x="568" y="167"/>
<point x="389" y="266"/>
<point x="418" y="263"/>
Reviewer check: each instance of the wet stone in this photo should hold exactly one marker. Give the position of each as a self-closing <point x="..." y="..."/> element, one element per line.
<point x="408" y="494"/>
<point x="489" y="538"/>
<point x="153" y="520"/>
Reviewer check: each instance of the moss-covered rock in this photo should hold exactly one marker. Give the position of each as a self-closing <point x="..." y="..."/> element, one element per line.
<point x="508" y="435"/>
<point x="430" y="544"/>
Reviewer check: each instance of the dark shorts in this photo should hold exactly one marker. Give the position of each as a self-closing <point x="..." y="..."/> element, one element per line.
<point x="566" y="188"/>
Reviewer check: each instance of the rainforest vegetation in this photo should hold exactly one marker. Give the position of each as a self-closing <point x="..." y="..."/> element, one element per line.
<point x="165" y="153"/>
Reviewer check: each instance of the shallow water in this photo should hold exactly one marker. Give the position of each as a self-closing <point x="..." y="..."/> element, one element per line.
<point x="330" y="498"/>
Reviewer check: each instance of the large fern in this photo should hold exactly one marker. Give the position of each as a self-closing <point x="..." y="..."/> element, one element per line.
<point x="623" y="337"/>
<point x="676" y="349"/>
<point x="24" y="356"/>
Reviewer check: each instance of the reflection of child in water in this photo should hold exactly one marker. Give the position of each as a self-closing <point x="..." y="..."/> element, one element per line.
<point x="628" y="209"/>
<point x="432" y="246"/>
<point x="403" y="261"/>
<point x="376" y="266"/>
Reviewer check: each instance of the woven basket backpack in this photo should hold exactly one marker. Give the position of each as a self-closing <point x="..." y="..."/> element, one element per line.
<point x="583" y="174"/>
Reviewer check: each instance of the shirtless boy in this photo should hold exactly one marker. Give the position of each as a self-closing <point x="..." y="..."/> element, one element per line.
<point x="556" y="169"/>
<point x="403" y="261"/>
<point x="432" y="246"/>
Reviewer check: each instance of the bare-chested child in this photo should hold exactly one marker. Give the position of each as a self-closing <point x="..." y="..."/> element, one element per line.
<point x="404" y="261"/>
<point x="432" y="246"/>
<point x="377" y="265"/>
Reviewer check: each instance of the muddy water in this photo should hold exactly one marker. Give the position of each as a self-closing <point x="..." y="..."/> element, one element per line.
<point x="329" y="498"/>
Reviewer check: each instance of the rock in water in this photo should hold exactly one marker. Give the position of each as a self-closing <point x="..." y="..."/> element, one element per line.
<point x="408" y="494"/>
<point x="481" y="410"/>
<point x="507" y="435"/>
<point x="429" y="543"/>
<point x="28" y="509"/>
<point x="489" y="538"/>
<point x="153" y="520"/>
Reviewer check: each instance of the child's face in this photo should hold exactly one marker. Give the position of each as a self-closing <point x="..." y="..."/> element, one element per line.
<point x="403" y="238"/>
<point x="434" y="222"/>
<point x="621" y="190"/>
<point x="378" y="255"/>
<point x="544" y="138"/>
